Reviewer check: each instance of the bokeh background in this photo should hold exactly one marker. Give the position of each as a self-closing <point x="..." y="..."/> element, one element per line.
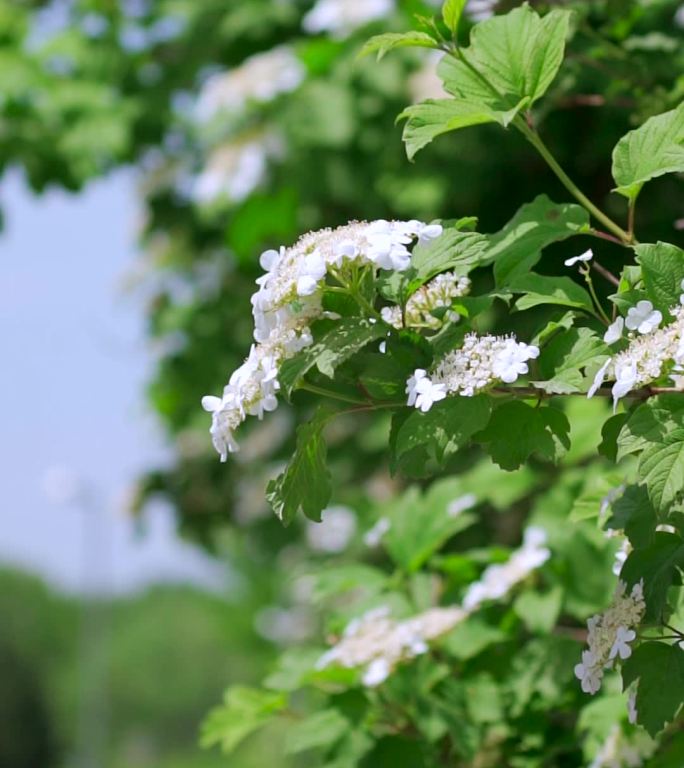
<point x="150" y="150"/>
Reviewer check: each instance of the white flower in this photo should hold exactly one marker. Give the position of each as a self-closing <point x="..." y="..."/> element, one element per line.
<point x="625" y="379"/>
<point x="643" y="317"/>
<point x="583" y="257"/>
<point x="373" y="537"/>
<point x="425" y="232"/>
<point x="511" y="361"/>
<point x="422" y="392"/>
<point x="312" y="269"/>
<point x="599" y="378"/>
<point x="614" y="331"/>
<point x="589" y="673"/>
<point x="623" y="637"/>
<point x="377" y="672"/>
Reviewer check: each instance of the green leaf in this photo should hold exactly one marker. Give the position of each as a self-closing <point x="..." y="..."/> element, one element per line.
<point x="445" y="428"/>
<point x="243" y="711"/>
<point x="543" y="289"/>
<point x="347" y="336"/>
<point x="543" y="431"/>
<point x="511" y="60"/>
<point x="305" y="482"/>
<point x="433" y="117"/>
<point x="452" y="11"/>
<point x="470" y="638"/>
<point x="659" y="668"/>
<point x="654" y="149"/>
<point x="539" y="612"/>
<point x="452" y="250"/>
<point x="421" y="524"/>
<point x="661" y="467"/>
<point x="518" y="246"/>
<point x="662" y="268"/>
<point x="323" y="729"/>
<point x="562" y="360"/>
<point x="609" y="436"/>
<point x="383" y="44"/>
<point x="634" y="514"/>
<point x="651" y="423"/>
<point x="658" y="565"/>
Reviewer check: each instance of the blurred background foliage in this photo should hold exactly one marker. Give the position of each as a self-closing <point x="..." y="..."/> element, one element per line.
<point x="234" y="157"/>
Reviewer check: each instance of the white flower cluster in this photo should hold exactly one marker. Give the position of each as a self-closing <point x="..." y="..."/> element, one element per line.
<point x="622" y="751"/>
<point x="439" y="293"/>
<point x="259" y="78"/>
<point x="650" y="355"/>
<point x="610" y="635"/>
<point x="289" y="299"/>
<point x="342" y="17"/>
<point x="479" y="363"/>
<point x="236" y="168"/>
<point x="498" y="580"/>
<point x="379" y="643"/>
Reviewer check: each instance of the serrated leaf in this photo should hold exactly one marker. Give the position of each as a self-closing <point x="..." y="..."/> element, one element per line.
<point x="662" y="268"/>
<point x="445" y="428"/>
<point x="661" y="467"/>
<point x="510" y="58"/>
<point x="452" y="250"/>
<point x="322" y="729"/>
<point x="654" y="149"/>
<point x="305" y="483"/>
<point x="650" y="423"/>
<point x="346" y="337"/>
<point x="452" y="11"/>
<point x="518" y="246"/>
<point x="433" y="117"/>
<point x="561" y="362"/>
<point x="658" y="565"/>
<point x="541" y="431"/>
<point x="243" y="711"/>
<point x="543" y="289"/>
<point x="659" y="668"/>
<point x="383" y="44"/>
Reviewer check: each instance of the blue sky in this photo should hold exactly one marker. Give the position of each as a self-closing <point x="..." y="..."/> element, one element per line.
<point x="74" y="366"/>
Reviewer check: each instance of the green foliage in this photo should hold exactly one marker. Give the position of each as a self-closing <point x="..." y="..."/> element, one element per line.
<point x="659" y="669"/>
<point x="305" y="483"/>
<point x="654" y="149"/>
<point x="244" y="711"/>
<point x="662" y="269"/>
<point x="382" y="44"/>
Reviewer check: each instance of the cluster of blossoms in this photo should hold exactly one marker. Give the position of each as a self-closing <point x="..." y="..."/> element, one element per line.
<point x="610" y="635"/>
<point x="438" y="294"/>
<point x="481" y="362"/>
<point x="622" y="751"/>
<point x="260" y="78"/>
<point x="379" y="643"/>
<point x="342" y="17"/>
<point x="651" y="354"/>
<point x="289" y="300"/>
<point x="498" y="580"/>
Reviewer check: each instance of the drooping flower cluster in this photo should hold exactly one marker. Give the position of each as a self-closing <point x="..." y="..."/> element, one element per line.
<point x="498" y="580"/>
<point x="620" y="750"/>
<point x="439" y="293"/>
<point x="481" y="362"/>
<point x="342" y="17"/>
<point x="288" y="300"/>
<point x="655" y="352"/>
<point x="379" y="643"/>
<point x="610" y="635"/>
<point x="259" y="78"/>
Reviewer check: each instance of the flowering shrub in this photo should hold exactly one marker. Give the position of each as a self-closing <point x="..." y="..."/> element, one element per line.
<point x="454" y="657"/>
